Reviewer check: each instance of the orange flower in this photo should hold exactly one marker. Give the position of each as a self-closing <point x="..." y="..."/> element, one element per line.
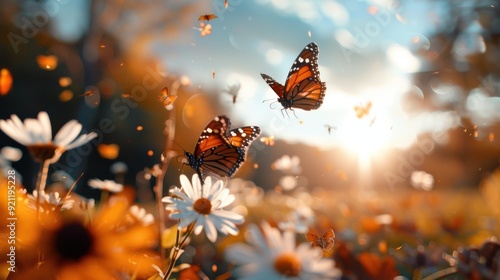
<point x="75" y="250"/>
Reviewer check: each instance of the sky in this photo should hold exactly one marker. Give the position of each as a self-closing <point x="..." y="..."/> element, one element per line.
<point x="367" y="59"/>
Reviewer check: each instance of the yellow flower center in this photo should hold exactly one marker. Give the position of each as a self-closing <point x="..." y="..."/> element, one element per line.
<point x="288" y="264"/>
<point x="73" y="241"/>
<point x="42" y="152"/>
<point x="202" y="206"/>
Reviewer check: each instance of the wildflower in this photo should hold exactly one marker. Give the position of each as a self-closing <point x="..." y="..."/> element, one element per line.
<point x="288" y="164"/>
<point x="7" y="156"/>
<point x="73" y="249"/>
<point x="477" y="263"/>
<point x="50" y="201"/>
<point x="106" y="185"/>
<point x="205" y="29"/>
<point x="87" y="204"/>
<point x="203" y="205"/>
<point x="36" y="134"/>
<point x="139" y="214"/>
<point x="299" y="220"/>
<point x="154" y="171"/>
<point x="275" y="256"/>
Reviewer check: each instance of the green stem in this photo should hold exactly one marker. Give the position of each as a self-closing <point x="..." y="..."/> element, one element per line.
<point x="177" y="247"/>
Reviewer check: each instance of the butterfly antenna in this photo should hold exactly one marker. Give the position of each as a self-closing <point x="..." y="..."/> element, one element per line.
<point x="267" y="100"/>
<point x="179" y="145"/>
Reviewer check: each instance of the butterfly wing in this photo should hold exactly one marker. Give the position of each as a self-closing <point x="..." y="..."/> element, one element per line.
<point x="214" y="134"/>
<point x="244" y="136"/>
<point x="303" y="86"/>
<point x="311" y="237"/>
<point x="222" y="161"/>
<point x="277" y="87"/>
<point x="307" y="95"/>
<point x="207" y="17"/>
<point x="314" y="240"/>
<point x="221" y="152"/>
<point x="327" y="239"/>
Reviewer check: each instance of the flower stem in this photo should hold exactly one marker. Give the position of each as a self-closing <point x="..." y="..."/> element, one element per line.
<point x="40" y="186"/>
<point x="104" y="198"/>
<point x="177" y="247"/>
<point x="168" y="154"/>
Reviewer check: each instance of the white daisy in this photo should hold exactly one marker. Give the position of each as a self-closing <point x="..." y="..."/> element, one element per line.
<point x="299" y="220"/>
<point x="203" y="205"/>
<point x="274" y="256"/>
<point x="50" y="201"/>
<point x="139" y="214"/>
<point x="36" y="134"/>
<point x="106" y="185"/>
<point x="287" y="164"/>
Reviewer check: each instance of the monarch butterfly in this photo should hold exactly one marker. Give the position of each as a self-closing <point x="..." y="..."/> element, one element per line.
<point x="221" y="151"/>
<point x="362" y="111"/>
<point x="325" y="242"/>
<point x="165" y="98"/>
<point x="303" y="88"/>
<point x="207" y="17"/>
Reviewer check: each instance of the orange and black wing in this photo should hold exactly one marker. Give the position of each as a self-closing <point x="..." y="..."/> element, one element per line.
<point x="222" y="161"/>
<point x="214" y="134"/>
<point x="207" y="17"/>
<point x="244" y="136"/>
<point x="219" y="151"/>
<point x="277" y="87"/>
<point x="307" y="95"/>
<point x="303" y="85"/>
<point x="225" y="160"/>
<point x="303" y="88"/>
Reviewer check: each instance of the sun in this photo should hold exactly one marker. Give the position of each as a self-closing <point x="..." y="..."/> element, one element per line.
<point x="366" y="137"/>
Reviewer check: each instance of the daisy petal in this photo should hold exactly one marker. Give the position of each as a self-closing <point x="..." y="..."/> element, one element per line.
<point x="82" y="140"/>
<point x="186" y="186"/>
<point x="44" y="120"/>
<point x="9" y="128"/>
<point x="67" y="133"/>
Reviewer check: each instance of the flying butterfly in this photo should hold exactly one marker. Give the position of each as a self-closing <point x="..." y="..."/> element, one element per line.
<point x="220" y="151"/>
<point x="88" y="93"/>
<point x="362" y="111"/>
<point x="324" y="242"/>
<point x="165" y="98"/>
<point x="303" y="88"/>
<point x="207" y="17"/>
<point x="330" y="128"/>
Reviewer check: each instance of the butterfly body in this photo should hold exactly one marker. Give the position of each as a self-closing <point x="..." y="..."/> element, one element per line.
<point x="221" y="151"/>
<point x="303" y="88"/>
